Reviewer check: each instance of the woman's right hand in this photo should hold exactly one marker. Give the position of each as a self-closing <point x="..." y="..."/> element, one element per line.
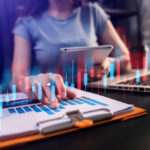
<point x="47" y="97"/>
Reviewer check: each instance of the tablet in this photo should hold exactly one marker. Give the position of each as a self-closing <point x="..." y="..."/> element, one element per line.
<point x="97" y="53"/>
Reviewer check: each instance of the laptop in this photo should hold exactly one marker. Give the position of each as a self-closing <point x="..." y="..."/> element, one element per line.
<point x="136" y="81"/>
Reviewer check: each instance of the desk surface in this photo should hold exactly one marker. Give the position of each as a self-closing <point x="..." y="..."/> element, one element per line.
<point x="130" y="135"/>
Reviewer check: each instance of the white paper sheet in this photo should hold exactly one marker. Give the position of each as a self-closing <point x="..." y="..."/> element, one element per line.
<point x="15" y="125"/>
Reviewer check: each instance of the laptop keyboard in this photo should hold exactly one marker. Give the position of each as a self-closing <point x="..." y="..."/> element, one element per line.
<point x="141" y="82"/>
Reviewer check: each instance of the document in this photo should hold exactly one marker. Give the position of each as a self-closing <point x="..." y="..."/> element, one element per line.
<point x="23" y="119"/>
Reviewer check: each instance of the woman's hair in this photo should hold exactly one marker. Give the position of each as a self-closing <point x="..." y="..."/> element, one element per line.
<point x="36" y="7"/>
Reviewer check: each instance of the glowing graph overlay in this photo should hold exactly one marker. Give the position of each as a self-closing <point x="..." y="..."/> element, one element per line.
<point x="111" y="71"/>
<point x="137" y="76"/>
<point x="72" y="84"/>
<point x="14" y="92"/>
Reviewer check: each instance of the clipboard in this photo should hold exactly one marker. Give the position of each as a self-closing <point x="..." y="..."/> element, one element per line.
<point x="23" y="140"/>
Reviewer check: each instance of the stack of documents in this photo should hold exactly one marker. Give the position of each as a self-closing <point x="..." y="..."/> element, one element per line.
<point x="22" y="117"/>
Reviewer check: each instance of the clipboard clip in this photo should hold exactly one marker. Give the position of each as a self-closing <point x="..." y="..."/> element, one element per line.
<point x="78" y="120"/>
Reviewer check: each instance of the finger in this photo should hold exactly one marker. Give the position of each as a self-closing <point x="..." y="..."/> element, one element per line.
<point x="60" y="86"/>
<point x="55" y="103"/>
<point x="71" y="94"/>
<point x="26" y="87"/>
<point x="46" y="90"/>
<point x="52" y="100"/>
<point x="39" y="93"/>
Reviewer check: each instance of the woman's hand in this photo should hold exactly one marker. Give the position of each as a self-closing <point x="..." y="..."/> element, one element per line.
<point x="45" y="81"/>
<point x="102" y="69"/>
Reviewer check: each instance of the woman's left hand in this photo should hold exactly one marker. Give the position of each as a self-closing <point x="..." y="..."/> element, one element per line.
<point x="104" y="68"/>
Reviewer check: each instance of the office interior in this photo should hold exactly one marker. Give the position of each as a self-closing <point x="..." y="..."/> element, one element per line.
<point x="131" y="19"/>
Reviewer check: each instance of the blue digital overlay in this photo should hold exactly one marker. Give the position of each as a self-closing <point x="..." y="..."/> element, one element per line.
<point x="72" y="85"/>
<point x="111" y="71"/>
<point x="7" y="98"/>
<point x="1" y="107"/>
<point x="14" y="92"/>
<point x="53" y="93"/>
<point x="39" y="91"/>
<point x="72" y="71"/>
<point x="85" y="79"/>
<point x="105" y="81"/>
<point x="66" y="84"/>
<point x="33" y="88"/>
<point x="137" y="76"/>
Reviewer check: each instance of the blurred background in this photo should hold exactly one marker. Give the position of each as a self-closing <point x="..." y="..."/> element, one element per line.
<point x="131" y="19"/>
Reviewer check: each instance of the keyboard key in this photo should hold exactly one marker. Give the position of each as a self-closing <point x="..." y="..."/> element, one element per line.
<point x="20" y="110"/>
<point x="35" y="108"/>
<point x="88" y="102"/>
<point x="11" y="111"/>
<point x="71" y="102"/>
<point x="27" y="109"/>
<point x="46" y="110"/>
<point x="97" y="102"/>
<point x="77" y="101"/>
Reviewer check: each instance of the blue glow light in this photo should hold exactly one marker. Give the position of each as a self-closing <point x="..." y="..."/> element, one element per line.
<point x="72" y="72"/>
<point x="85" y="79"/>
<point x="14" y="92"/>
<point x="33" y="88"/>
<point x="7" y="98"/>
<point x="39" y="91"/>
<point x="53" y="93"/>
<point x="1" y="107"/>
<point x="105" y="81"/>
<point x="137" y="76"/>
<point x="72" y="85"/>
<point x="111" y="71"/>
<point x="66" y="84"/>
<point x="149" y="58"/>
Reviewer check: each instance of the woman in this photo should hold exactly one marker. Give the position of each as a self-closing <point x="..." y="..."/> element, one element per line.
<point x="48" y="25"/>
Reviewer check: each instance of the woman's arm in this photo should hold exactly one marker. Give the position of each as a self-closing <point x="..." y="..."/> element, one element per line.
<point x="110" y="36"/>
<point x="22" y="55"/>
